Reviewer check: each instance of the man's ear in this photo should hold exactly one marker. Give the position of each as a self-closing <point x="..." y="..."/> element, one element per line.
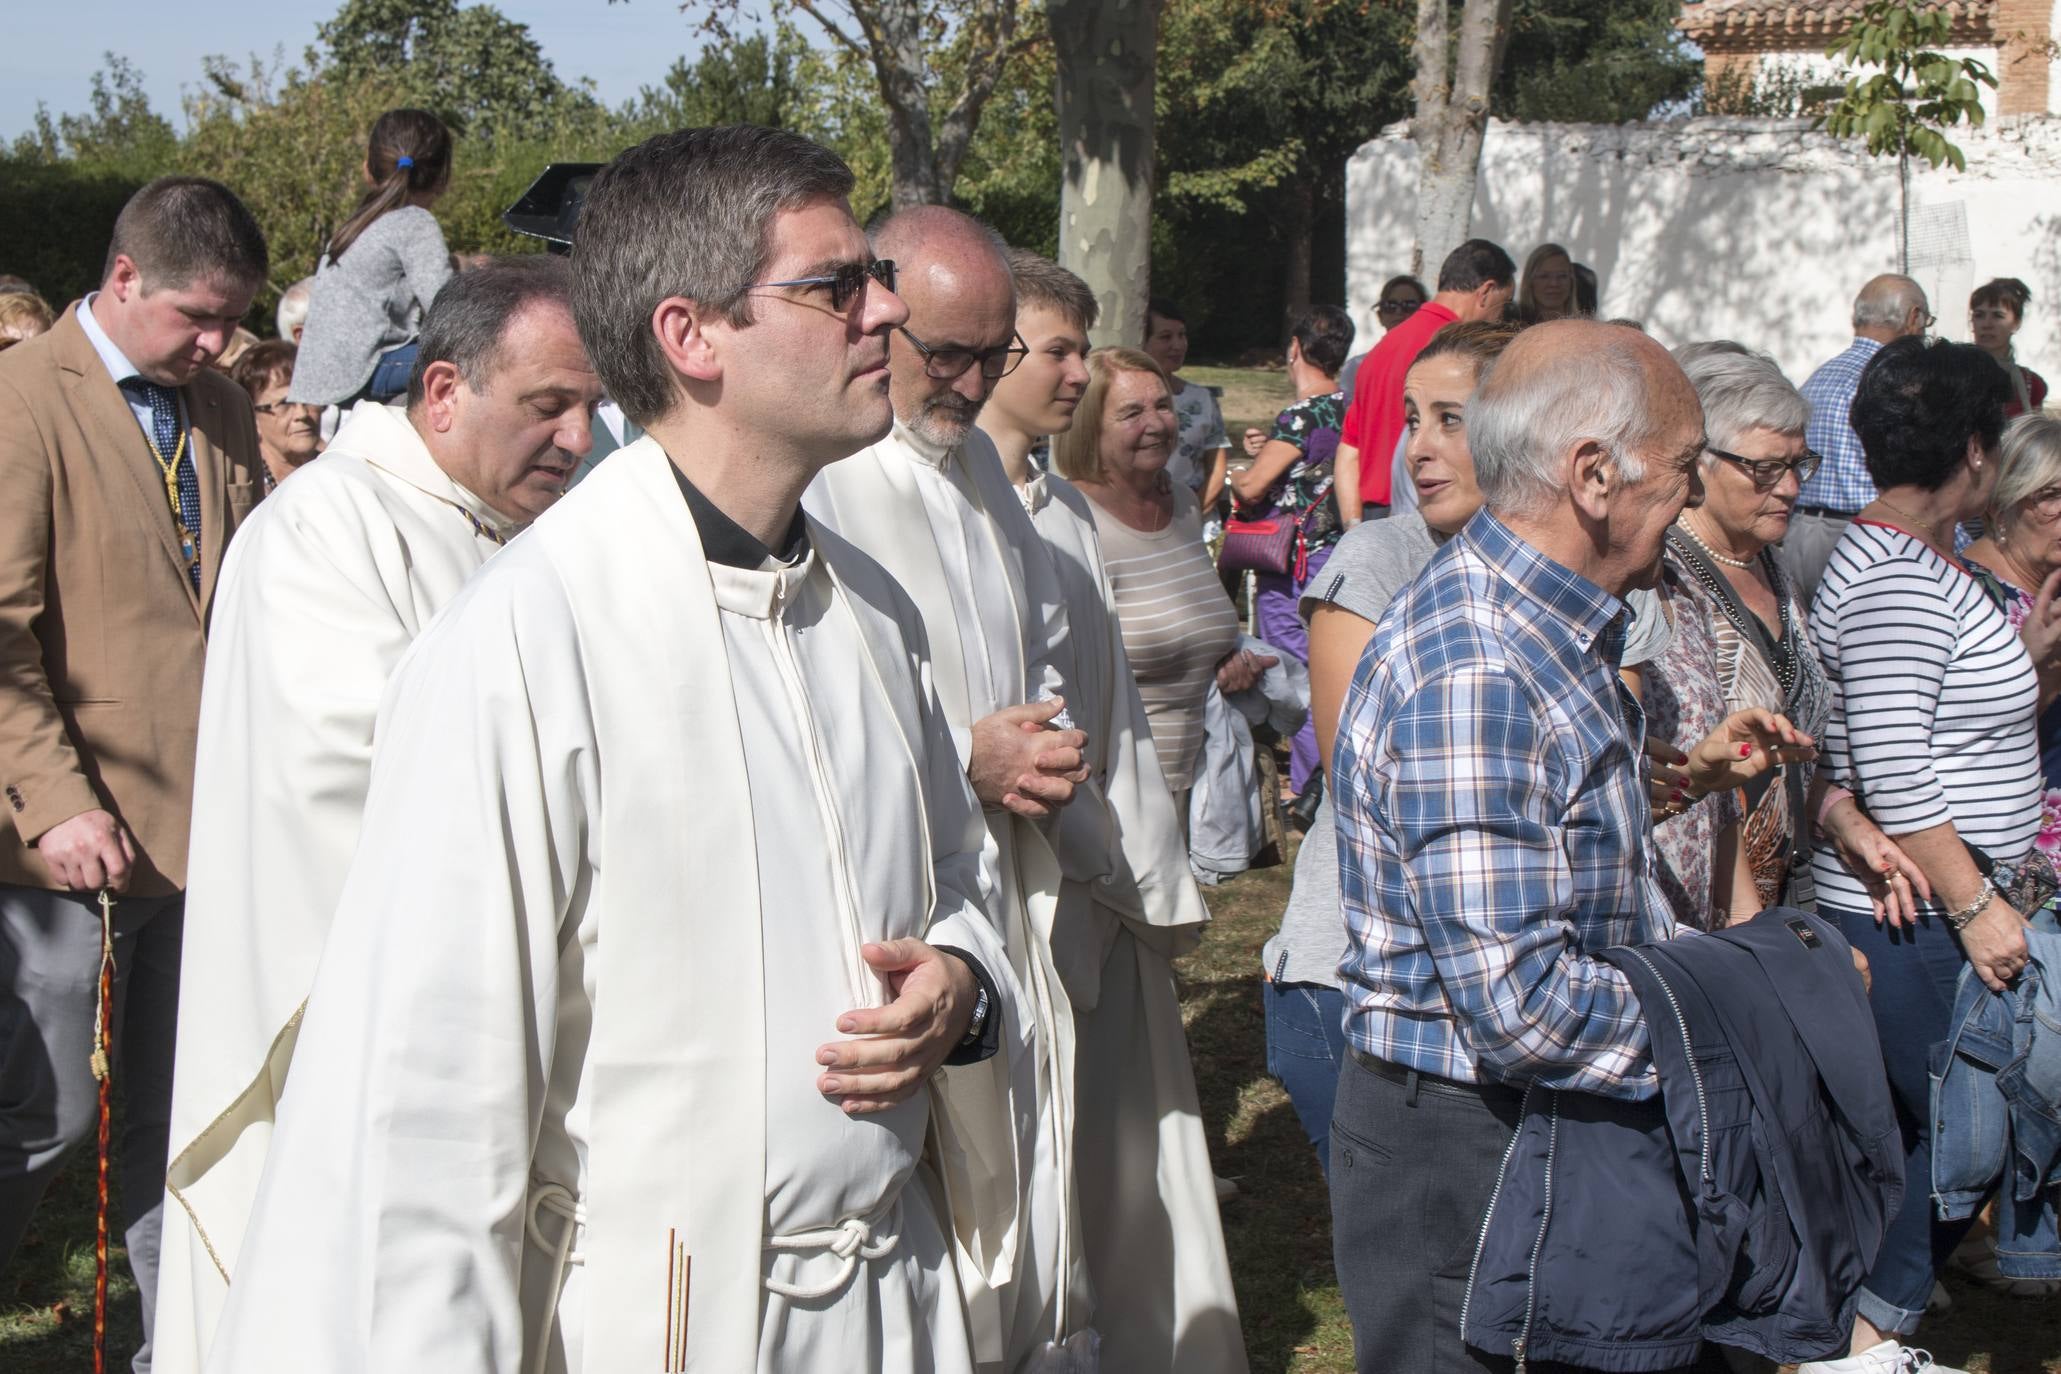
<point x="1593" y="480"/>
<point x="441" y="383"/>
<point x="125" y="279"/>
<point x="688" y="336"/>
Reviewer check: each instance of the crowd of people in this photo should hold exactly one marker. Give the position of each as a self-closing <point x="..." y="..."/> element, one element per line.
<point x="642" y="803"/>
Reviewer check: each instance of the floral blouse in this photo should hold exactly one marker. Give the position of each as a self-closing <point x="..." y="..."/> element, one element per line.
<point x="1312" y="426"/>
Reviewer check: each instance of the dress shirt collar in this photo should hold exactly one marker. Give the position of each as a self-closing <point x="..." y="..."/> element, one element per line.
<point x="1595" y="616"/>
<point x="1863" y="349"/>
<point x="118" y="365"/>
<point x="725" y="542"/>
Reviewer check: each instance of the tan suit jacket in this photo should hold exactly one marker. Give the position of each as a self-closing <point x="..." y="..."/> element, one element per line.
<point x="101" y="632"/>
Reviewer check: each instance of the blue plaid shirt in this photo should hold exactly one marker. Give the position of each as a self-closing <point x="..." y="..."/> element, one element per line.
<point x="1493" y="827"/>
<point x="1842" y="483"/>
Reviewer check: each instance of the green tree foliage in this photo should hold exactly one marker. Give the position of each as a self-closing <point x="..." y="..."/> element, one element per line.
<point x="1907" y="94"/>
<point x="1581" y="61"/>
<point x="1259" y="104"/>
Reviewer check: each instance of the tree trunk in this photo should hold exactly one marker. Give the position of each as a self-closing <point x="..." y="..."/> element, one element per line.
<point x="1451" y="117"/>
<point x="1903" y="212"/>
<point x="896" y="39"/>
<point x="1105" y="51"/>
<point x="1299" y="223"/>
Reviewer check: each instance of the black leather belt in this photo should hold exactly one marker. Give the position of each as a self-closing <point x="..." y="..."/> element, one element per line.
<point x="1433" y="1083"/>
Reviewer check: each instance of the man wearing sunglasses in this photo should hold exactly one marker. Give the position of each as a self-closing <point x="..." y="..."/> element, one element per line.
<point x="668" y="903"/>
<point x="932" y="502"/>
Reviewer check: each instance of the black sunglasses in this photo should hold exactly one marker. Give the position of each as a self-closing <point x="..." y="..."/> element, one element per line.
<point x="1397" y="307"/>
<point x="1767" y="472"/>
<point x="846" y="284"/>
<point x="948" y="364"/>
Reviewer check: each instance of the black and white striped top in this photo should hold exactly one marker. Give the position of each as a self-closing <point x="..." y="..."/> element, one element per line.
<point x="1934" y="700"/>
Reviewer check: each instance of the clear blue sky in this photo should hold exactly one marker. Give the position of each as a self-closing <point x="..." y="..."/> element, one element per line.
<point x="53" y="47"/>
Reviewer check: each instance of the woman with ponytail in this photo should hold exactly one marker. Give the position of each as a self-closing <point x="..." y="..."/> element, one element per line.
<point x="380" y="270"/>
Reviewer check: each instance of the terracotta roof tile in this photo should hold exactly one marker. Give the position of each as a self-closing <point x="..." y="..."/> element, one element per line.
<point x="1802" y="25"/>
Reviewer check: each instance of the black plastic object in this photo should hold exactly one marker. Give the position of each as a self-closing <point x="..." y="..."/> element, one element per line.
<point x="551" y="207"/>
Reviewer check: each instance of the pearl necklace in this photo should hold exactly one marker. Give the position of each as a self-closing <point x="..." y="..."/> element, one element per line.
<point x="1740" y="563"/>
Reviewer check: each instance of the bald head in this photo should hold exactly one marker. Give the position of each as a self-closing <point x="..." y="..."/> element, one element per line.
<point x="1890" y="307"/>
<point x="1569" y="384"/>
<point x="953" y="273"/>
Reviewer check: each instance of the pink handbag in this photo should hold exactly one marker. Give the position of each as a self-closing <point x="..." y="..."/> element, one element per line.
<point x="1263" y="545"/>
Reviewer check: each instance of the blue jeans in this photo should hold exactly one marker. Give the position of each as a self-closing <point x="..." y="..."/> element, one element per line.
<point x="390" y="375"/>
<point x="1305" y="1045"/>
<point x="1916" y="971"/>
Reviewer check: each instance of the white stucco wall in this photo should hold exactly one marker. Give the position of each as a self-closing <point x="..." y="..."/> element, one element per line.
<point x="1757" y="230"/>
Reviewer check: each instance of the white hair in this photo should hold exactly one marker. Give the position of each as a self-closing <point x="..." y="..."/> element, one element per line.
<point x="293" y="307"/>
<point x="2031" y="463"/>
<point x="1521" y="427"/>
<point x="1740" y="390"/>
<point x="1887" y="300"/>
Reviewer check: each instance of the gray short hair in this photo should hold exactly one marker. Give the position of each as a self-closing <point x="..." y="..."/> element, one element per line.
<point x="293" y="307"/>
<point x="687" y="214"/>
<point x="469" y="318"/>
<point x="1740" y="390"/>
<point x="1521" y="425"/>
<point x="1886" y="300"/>
<point x="2031" y="463"/>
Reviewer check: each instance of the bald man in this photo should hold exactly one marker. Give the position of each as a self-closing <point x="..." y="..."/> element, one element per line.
<point x="1888" y="308"/>
<point x="1499" y="663"/>
<point x="933" y="504"/>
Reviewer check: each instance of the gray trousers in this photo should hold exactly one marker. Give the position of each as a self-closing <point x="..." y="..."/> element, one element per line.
<point x="49" y="1102"/>
<point x="1807" y="548"/>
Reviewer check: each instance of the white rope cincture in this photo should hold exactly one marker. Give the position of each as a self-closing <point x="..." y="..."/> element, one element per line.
<point x="558" y="1200"/>
<point x="851" y="1240"/>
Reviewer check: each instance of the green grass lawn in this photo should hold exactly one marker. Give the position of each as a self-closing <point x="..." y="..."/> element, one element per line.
<point x="1278" y="1227"/>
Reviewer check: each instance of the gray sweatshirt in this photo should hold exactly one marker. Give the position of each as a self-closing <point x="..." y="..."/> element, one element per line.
<point x="367" y="302"/>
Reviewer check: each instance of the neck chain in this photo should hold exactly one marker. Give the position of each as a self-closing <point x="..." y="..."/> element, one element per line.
<point x="1740" y="563"/>
<point x="1919" y="525"/>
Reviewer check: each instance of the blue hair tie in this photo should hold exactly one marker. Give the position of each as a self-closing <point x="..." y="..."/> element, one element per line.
<point x="404" y="161"/>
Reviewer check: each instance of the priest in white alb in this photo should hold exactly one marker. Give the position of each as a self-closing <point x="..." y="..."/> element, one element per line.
<point x="669" y="900"/>
<point x="321" y="593"/>
<point x="934" y="504"/>
<point x="1153" y="1241"/>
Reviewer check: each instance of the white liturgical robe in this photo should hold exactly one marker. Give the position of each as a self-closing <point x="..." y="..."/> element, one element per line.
<point x="322" y="591"/>
<point x="935" y="519"/>
<point x="553" y="1105"/>
<point x="1122" y="1193"/>
<point x="1153" y="1240"/>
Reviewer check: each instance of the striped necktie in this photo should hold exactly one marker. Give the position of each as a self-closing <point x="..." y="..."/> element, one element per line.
<point x="165" y="441"/>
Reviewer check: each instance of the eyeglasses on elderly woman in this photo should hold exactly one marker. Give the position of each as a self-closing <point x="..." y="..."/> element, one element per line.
<point x="1768" y="472"/>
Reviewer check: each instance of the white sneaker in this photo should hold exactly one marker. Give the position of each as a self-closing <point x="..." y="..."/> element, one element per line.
<point x="1889" y="1357"/>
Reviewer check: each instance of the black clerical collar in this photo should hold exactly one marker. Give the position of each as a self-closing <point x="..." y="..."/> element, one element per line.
<point x="725" y="541"/>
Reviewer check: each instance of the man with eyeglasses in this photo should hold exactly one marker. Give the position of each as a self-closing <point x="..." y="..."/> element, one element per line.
<point x="669" y="900"/>
<point x="1888" y="308"/>
<point x="933" y="503"/>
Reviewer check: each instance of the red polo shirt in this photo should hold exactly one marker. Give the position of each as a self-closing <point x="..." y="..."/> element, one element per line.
<point x="1375" y="420"/>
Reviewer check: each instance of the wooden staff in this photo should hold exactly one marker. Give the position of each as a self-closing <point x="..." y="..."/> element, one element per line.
<point x="103" y="1038"/>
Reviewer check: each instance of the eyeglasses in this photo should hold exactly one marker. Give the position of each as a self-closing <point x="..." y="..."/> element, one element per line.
<point x="1767" y="472"/>
<point x="277" y="406"/>
<point x="1397" y="307"/>
<point x="2045" y="503"/>
<point x="846" y="284"/>
<point x="948" y="364"/>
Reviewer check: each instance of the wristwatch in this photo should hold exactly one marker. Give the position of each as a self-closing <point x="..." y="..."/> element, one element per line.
<point x="979" y="1024"/>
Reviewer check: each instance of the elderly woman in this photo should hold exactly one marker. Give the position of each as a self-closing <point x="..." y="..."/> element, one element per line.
<point x="1547" y="291"/>
<point x="1179" y="628"/>
<point x="2022" y="550"/>
<point x="289" y="432"/>
<point x="1935" y="701"/>
<point x="1996" y="310"/>
<point x="1291" y="479"/>
<point x="1733" y="612"/>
